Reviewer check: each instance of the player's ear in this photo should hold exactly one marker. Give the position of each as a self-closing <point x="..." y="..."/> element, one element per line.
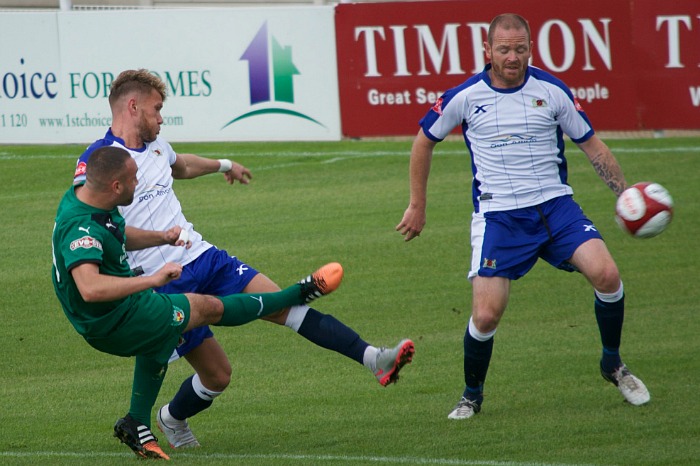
<point x="117" y="186"/>
<point x="131" y="105"/>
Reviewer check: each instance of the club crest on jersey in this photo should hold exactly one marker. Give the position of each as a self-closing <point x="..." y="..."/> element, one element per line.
<point x="437" y="108"/>
<point x="158" y="152"/>
<point x="539" y="103"/>
<point x="86" y="242"/>
<point x="178" y="316"/>
<point x="489" y="263"/>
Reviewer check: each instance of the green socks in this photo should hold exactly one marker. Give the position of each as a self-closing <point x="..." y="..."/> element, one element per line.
<point x="148" y="378"/>
<point x="240" y="309"/>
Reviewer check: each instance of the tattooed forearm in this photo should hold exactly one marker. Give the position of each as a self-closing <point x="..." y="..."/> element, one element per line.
<point x="609" y="171"/>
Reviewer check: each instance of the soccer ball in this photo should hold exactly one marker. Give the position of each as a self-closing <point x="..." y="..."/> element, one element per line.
<point x="644" y="210"/>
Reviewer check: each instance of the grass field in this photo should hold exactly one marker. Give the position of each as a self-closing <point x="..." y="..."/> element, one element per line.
<point x="291" y="403"/>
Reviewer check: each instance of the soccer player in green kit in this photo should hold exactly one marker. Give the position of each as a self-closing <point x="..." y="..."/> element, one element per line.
<point x="118" y="313"/>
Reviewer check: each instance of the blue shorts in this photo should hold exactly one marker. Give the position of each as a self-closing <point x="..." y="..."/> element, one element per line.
<point x="213" y="273"/>
<point x="508" y="243"/>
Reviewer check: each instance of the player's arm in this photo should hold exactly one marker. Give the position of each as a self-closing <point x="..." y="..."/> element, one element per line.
<point x="189" y="166"/>
<point x="136" y="238"/>
<point x="604" y="163"/>
<point x="413" y="219"/>
<point x="96" y="287"/>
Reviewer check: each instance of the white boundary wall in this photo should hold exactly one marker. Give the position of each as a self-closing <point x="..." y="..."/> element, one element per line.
<point x="56" y="67"/>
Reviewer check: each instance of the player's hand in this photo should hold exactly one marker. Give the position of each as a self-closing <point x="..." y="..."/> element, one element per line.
<point x="169" y="272"/>
<point x="412" y="223"/>
<point x="177" y="236"/>
<point x="238" y="173"/>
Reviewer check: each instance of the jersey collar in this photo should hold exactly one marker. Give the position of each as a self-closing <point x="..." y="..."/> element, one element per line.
<point x="112" y="138"/>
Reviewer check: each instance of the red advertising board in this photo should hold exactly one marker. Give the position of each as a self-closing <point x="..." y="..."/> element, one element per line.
<point x="632" y="64"/>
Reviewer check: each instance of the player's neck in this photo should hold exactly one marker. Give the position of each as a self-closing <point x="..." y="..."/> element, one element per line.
<point x="130" y="137"/>
<point x="93" y="198"/>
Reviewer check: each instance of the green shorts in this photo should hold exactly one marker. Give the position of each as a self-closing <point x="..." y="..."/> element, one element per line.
<point x="151" y="327"/>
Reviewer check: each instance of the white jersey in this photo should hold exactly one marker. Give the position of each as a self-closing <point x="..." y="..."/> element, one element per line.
<point x="514" y="136"/>
<point x="155" y="205"/>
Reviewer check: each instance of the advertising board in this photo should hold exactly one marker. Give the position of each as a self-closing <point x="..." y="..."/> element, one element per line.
<point x="239" y="74"/>
<point x="632" y="64"/>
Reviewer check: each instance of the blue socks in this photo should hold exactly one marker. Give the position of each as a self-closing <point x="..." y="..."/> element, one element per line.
<point x="610" y="317"/>
<point x="477" y="357"/>
<point x="186" y="403"/>
<point x="328" y="332"/>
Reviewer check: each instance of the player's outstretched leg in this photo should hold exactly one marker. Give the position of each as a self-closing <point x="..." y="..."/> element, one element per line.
<point x="139" y="438"/>
<point x="239" y="309"/>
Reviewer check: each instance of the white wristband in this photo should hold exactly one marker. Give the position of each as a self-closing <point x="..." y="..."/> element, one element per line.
<point x="225" y="165"/>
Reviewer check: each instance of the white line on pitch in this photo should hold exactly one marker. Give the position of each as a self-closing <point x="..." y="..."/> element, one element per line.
<point x="300" y="458"/>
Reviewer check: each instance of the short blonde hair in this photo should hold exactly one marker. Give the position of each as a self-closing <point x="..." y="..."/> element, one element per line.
<point x="140" y="80"/>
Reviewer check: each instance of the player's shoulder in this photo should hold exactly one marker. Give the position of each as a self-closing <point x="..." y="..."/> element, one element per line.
<point x="71" y="207"/>
<point x="461" y="93"/>
<point x="108" y="140"/>
<point x="81" y="163"/>
<point x="547" y="79"/>
<point x="93" y="147"/>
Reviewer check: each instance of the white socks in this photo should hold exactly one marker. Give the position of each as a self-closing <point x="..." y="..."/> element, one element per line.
<point x="369" y="359"/>
<point x="202" y="391"/>
<point x="296" y="316"/>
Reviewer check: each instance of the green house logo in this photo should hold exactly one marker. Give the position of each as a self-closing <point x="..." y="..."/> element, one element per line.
<point x="271" y="74"/>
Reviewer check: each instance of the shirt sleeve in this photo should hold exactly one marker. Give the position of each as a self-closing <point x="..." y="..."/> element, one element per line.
<point x="79" y="244"/>
<point x="572" y="119"/>
<point x="172" y="155"/>
<point x="444" y="116"/>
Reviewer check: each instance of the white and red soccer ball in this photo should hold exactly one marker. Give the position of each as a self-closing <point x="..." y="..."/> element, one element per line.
<point x="644" y="210"/>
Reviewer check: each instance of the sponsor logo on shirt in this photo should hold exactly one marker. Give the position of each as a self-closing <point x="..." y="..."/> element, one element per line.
<point x="512" y="139"/>
<point x="86" y="242"/>
<point x="153" y="192"/>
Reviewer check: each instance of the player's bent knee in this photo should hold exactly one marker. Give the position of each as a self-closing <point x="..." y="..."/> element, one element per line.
<point x="204" y="310"/>
<point x="217" y="382"/>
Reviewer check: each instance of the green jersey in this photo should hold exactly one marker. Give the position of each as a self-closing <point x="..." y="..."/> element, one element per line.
<point x="145" y="323"/>
<point x="85" y="234"/>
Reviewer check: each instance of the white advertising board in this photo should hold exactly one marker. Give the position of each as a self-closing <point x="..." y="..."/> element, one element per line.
<point x="234" y="74"/>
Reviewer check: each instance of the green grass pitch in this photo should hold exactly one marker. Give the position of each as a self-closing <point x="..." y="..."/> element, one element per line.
<point x="291" y="403"/>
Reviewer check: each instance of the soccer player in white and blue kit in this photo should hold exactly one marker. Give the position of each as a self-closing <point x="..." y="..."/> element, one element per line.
<point x="513" y="118"/>
<point x="136" y="100"/>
